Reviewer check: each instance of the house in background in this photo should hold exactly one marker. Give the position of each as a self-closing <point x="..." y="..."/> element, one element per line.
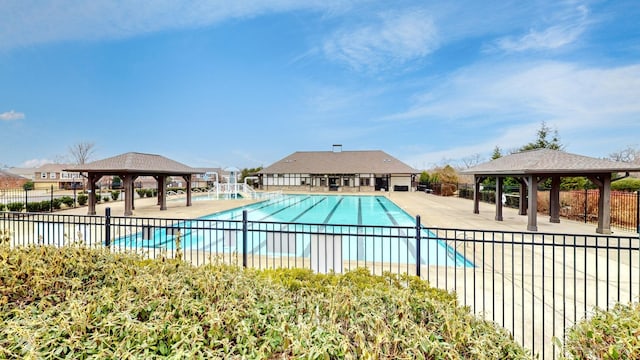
<point x="53" y="175"/>
<point x="9" y="180"/>
<point x="337" y="170"/>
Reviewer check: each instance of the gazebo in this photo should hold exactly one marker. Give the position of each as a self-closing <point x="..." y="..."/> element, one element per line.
<point x="129" y="167"/>
<point x="534" y="166"/>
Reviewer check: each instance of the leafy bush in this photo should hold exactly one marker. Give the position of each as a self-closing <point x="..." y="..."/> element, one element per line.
<point x="29" y="185"/>
<point x="2" y="206"/>
<point x="106" y="198"/>
<point x="628" y="184"/>
<point x="151" y="192"/>
<point x="75" y="302"/>
<point x="67" y="201"/>
<point x="141" y="192"/>
<point x="115" y="194"/>
<point x="15" y="206"/>
<point x="57" y="203"/>
<point x="33" y="206"/>
<point x="82" y="199"/>
<point x="612" y="334"/>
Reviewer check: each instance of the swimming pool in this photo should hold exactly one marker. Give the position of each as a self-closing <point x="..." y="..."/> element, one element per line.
<point x="350" y="228"/>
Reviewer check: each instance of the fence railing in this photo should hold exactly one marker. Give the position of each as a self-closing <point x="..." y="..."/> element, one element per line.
<point x="535" y="285"/>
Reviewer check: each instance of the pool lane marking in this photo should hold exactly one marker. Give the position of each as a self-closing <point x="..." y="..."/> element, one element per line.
<point x="307" y="249"/>
<point x="250" y="209"/>
<point x="412" y="249"/>
<point x="285" y="208"/>
<point x="309" y="208"/>
<point x="282" y="227"/>
<point x="326" y="220"/>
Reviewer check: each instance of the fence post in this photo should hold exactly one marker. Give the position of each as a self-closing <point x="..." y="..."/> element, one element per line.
<point x="51" y="203"/>
<point x="107" y="227"/>
<point x="638" y="211"/>
<point x="418" y="237"/>
<point x="244" y="238"/>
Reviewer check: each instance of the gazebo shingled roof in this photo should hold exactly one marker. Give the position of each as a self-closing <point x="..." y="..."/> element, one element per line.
<point x="138" y="163"/>
<point x="549" y="162"/>
<point x="131" y="165"/>
<point x="533" y="166"/>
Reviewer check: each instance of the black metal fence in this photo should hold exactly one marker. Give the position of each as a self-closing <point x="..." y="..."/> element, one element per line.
<point x="535" y="285"/>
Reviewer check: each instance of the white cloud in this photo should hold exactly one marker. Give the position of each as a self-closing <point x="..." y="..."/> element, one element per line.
<point x="546" y="90"/>
<point x="34" y="163"/>
<point x="395" y="38"/>
<point x="11" y="115"/>
<point x="504" y="104"/>
<point x="567" y="30"/>
<point x="26" y="22"/>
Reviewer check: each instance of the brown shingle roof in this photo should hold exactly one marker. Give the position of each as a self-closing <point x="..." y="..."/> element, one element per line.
<point x="343" y="162"/>
<point x="547" y="161"/>
<point x="8" y="175"/>
<point x="133" y="162"/>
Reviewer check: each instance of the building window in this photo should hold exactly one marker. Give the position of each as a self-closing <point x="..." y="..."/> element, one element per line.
<point x="52" y="175"/>
<point x="365" y="182"/>
<point x="323" y="181"/>
<point x="43" y="175"/>
<point x="345" y="182"/>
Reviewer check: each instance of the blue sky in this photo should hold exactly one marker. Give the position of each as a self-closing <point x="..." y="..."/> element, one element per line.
<point x="246" y="83"/>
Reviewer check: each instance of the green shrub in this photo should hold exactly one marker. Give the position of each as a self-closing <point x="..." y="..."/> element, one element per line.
<point x="33" y="206"/>
<point x="627" y="184"/>
<point x="106" y="198"/>
<point x="29" y="185"/>
<point x="45" y="205"/>
<point x="67" y="201"/>
<point x="151" y="192"/>
<point x="75" y="302"/>
<point x="15" y="206"/>
<point x="2" y="206"/>
<point x="141" y="192"/>
<point x="82" y="199"/>
<point x="613" y="334"/>
<point x="57" y="203"/>
<point x="115" y="194"/>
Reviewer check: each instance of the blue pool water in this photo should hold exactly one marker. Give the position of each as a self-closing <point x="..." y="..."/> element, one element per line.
<point x="357" y="228"/>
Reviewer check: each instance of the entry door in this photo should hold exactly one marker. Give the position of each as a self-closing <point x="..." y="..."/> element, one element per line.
<point x="381" y="183"/>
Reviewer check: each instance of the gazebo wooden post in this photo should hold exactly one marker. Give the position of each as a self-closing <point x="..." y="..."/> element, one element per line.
<point x="187" y="179"/>
<point x="91" y="178"/>
<point x="554" y="200"/>
<point x="162" y="184"/>
<point x="522" y="202"/>
<point x="159" y="189"/>
<point x="604" y="202"/>
<point x="499" y="181"/>
<point x="128" y="196"/>
<point x="532" y="184"/>
<point x="133" y="191"/>
<point x="476" y="194"/>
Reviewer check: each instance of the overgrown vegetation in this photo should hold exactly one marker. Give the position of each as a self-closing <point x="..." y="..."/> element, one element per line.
<point x="613" y="334"/>
<point x="75" y="302"/>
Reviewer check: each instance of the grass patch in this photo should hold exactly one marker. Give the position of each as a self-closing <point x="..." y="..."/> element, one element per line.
<point x="74" y="302"/>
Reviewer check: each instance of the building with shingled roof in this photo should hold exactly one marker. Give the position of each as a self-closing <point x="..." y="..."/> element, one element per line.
<point x="337" y="170"/>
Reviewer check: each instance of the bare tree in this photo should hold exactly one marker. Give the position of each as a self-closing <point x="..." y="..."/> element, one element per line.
<point x="471" y="161"/>
<point x="82" y="151"/>
<point x="630" y="154"/>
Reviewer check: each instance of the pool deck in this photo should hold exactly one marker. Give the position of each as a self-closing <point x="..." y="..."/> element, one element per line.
<point x="505" y="289"/>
